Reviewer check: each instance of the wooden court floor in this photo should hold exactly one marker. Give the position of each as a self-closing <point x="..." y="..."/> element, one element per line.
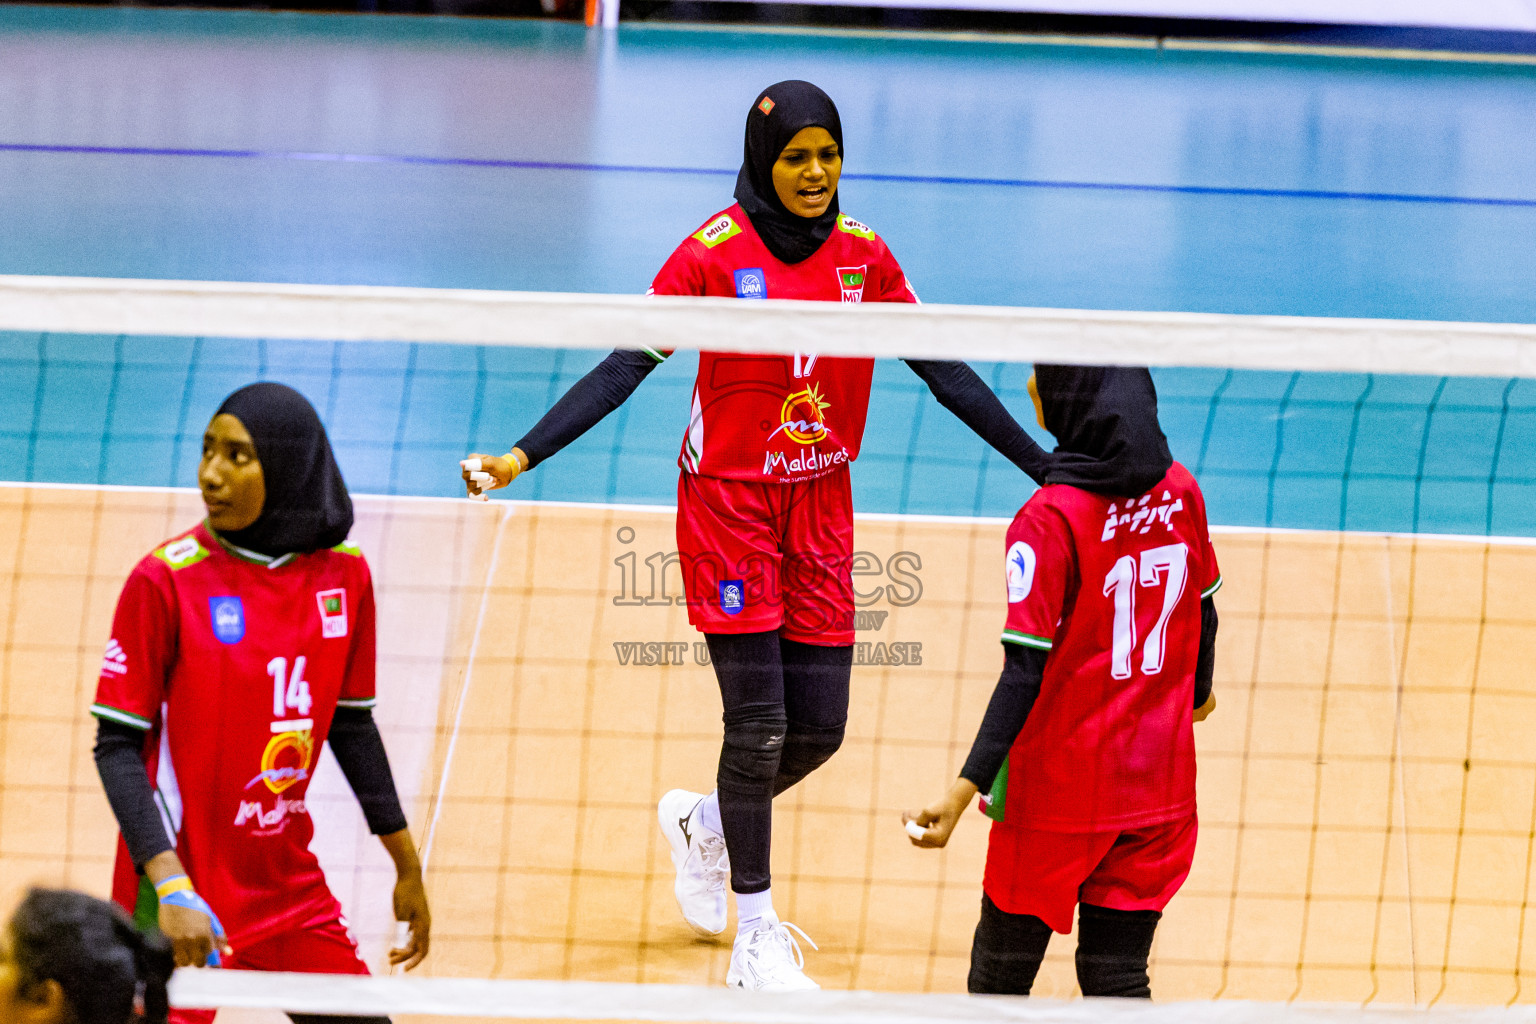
<point x="1367" y="786"/>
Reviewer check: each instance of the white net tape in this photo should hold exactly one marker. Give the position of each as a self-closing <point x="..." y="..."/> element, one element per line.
<point x="584" y="1000"/>
<point x="348" y="313"/>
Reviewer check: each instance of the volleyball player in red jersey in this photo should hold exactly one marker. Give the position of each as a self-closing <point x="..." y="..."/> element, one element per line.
<point x="765" y="519"/>
<point x="1086" y="749"/>
<point x="238" y="648"/>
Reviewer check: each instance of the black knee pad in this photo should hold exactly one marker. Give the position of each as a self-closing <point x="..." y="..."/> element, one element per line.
<point x="749" y="757"/>
<point x="1112" y="951"/>
<point x="805" y="750"/>
<point x="1006" y="952"/>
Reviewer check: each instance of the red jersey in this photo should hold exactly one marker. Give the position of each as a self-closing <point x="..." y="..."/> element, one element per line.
<point x="234" y="668"/>
<point x="1112" y="588"/>
<point x="781" y="418"/>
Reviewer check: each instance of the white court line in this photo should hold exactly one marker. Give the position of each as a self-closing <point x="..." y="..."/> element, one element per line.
<point x="237" y="309"/>
<point x="590" y="1000"/>
<point x="469" y="672"/>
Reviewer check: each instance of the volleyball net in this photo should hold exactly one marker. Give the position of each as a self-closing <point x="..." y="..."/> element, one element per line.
<point x="1367" y="783"/>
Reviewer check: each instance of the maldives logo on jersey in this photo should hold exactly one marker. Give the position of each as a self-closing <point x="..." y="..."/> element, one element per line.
<point x="333" y="612"/>
<point x="285" y="762"/>
<point x="750" y="284"/>
<point x="732" y="596"/>
<point x="851" y="280"/>
<point x="802" y="418"/>
<point x="228" y="617"/>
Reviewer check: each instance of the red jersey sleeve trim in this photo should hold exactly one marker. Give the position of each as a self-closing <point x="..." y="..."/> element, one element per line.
<point x="1208" y="591"/>
<point x="362" y="702"/>
<point x="122" y="717"/>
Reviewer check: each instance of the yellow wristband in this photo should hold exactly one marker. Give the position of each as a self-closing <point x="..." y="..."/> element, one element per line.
<point x="174" y="884"/>
<point x="516" y="463"/>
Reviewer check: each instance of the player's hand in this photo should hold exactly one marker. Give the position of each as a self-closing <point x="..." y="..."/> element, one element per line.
<point x="193" y="937"/>
<point x="1204" y="710"/>
<point x="483" y="473"/>
<point x="411" y="910"/>
<point x="938" y="819"/>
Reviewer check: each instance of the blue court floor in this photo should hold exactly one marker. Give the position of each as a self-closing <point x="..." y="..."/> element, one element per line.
<point x="542" y="156"/>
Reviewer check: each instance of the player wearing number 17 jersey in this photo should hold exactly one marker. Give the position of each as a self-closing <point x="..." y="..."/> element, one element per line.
<point x="238" y="649"/>
<point x="1086" y="751"/>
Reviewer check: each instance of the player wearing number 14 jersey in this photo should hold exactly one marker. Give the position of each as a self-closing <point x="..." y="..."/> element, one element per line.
<point x="1086" y="751"/>
<point x="238" y="649"/>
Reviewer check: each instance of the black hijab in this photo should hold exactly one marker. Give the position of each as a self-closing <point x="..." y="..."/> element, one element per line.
<point x="790" y="107"/>
<point x="1105" y="422"/>
<point x="307" y="505"/>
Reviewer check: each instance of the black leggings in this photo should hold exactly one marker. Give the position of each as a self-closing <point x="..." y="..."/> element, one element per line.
<point x="1112" y="951"/>
<point x="786" y="706"/>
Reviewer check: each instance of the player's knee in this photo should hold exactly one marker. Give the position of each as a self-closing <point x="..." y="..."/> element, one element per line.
<point x="750" y="755"/>
<point x="1006" y="952"/>
<point x="1112" y="951"/>
<point x="805" y="750"/>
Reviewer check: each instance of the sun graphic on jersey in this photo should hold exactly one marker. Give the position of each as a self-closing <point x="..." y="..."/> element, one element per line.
<point x="803" y="418"/>
<point x="285" y="762"/>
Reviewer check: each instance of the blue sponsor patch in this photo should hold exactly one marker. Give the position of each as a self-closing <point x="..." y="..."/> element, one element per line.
<point x="733" y="597"/>
<point x="750" y="284"/>
<point x="228" y="616"/>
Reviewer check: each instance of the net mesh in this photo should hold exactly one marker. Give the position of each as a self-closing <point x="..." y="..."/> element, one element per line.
<point x="1367" y="785"/>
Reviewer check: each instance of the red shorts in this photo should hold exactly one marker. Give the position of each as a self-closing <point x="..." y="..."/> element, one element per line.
<point x="1047" y="874"/>
<point x="323" y="945"/>
<point x="758" y="557"/>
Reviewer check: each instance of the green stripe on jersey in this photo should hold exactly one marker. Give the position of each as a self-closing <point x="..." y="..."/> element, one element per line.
<point x="1039" y="643"/>
<point x="1208" y="591"/>
<point x="110" y="713"/>
<point x="996" y="803"/>
<point x="367" y="702"/>
<point x="653" y="353"/>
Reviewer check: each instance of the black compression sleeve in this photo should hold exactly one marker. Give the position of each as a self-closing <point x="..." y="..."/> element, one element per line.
<point x="1205" y="664"/>
<point x="120" y="763"/>
<point x="962" y="392"/>
<point x="1017" y="689"/>
<point x="359" y="750"/>
<point x="596" y="395"/>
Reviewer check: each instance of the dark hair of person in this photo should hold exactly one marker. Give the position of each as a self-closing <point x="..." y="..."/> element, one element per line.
<point x="109" y="971"/>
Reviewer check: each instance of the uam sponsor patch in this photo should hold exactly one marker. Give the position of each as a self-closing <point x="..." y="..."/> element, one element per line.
<point x="718" y="230"/>
<point x="228" y="617"/>
<point x="732" y="596"/>
<point x="750" y="284"/>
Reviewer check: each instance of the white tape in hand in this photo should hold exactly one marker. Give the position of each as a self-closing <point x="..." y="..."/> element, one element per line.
<point x="473" y="465"/>
<point x="402" y="934"/>
<point x="916" y="831"/>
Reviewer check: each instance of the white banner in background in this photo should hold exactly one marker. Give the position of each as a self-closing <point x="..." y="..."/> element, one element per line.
<point x="1508" y="15"/>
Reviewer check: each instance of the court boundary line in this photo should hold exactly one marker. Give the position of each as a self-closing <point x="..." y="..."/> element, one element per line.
<point x="469" y="672"/>
<point x="498" y="163"/>
<point x="534" y="504"/>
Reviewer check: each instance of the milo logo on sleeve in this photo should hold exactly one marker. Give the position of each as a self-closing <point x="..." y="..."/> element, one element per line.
<point x="717" y="231"/>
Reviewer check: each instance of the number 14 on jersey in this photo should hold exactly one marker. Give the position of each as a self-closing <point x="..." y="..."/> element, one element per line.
<point x="289" y="689"/>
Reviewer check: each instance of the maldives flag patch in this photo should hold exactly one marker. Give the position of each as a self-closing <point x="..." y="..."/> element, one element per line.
<point x="851" y="280"/>
<point x="333" y="612"/>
